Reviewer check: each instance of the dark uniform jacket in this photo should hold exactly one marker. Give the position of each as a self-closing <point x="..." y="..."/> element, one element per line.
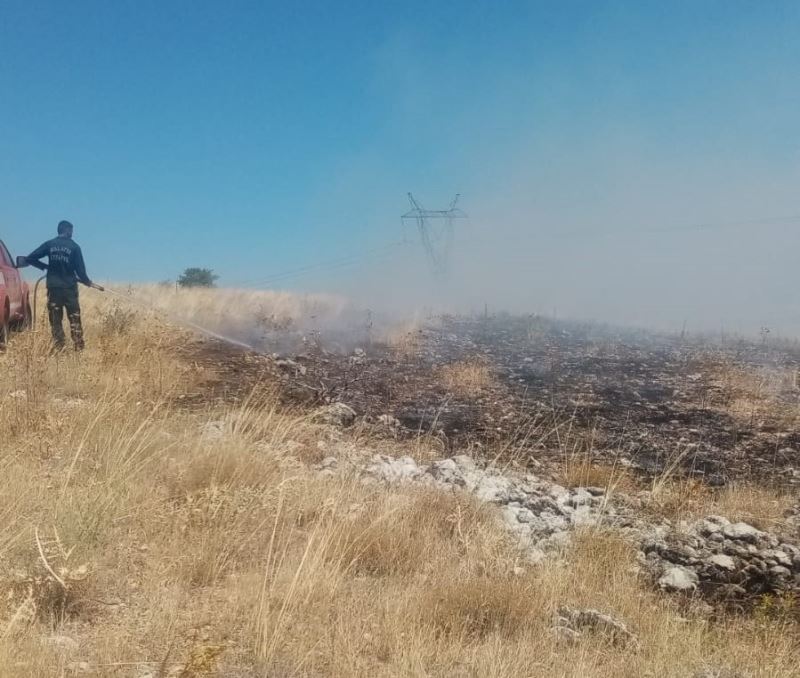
<point x="65" y="266"/>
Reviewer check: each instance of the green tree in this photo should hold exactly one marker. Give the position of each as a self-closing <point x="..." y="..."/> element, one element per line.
<point x="197" y="277"/>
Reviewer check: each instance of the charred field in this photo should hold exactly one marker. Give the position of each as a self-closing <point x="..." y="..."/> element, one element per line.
<point x="717" y="410"/>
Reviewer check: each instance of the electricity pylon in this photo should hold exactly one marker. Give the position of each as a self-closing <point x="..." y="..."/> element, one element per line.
<point x="435" y="231"/>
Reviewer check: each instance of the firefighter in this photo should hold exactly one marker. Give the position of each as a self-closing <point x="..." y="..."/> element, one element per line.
<point x="65" y="269"/>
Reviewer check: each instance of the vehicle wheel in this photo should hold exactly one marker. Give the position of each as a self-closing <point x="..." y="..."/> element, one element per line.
<point x="4" y="331"/>
<point x="24" y="321"/>
<point x="27" y="316"/>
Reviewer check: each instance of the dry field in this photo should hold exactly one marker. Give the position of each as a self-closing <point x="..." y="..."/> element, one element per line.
<point x="141" y="537"/>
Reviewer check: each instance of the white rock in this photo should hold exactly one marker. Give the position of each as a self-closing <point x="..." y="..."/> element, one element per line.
<point x="558" y="492"/>
<point x="677" y="578"/>
<point x="446" y="472"/>
<point x="597" y="622"/>
<point x="580" y="497"/>
<point x="389" y="421"/>
<point x="583" y="515"/>
<point x="709" y="527"/>
<point x="464" y="462"/>
<point x="538" y="513"/>
<point x="779" y="557"/>
<point x="554" y="522"/>
<point x="535" y="556"/>
<point x="64" y="643"/>
<point x="328" y="464"/>
<point x="290" y="366"/>
<point x="71" y="403"/>
<point x="742" y="531"/>
<point x="213" y="430"/>
<point x="524" y="515"/>
<point x="596" y="491"/>
<point x="565" y="635"/>
<point x="522" y="530"/>
<point x="723" y="562"/>
<point x="780" y="571"/>
<point x="391" y="470"/>
<point x="336" y="414"/>
<point x="719" y="520"/>
<point x="492" y="489"/>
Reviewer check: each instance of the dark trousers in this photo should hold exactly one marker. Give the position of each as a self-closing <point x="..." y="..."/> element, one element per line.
<point x="59" y="299"/>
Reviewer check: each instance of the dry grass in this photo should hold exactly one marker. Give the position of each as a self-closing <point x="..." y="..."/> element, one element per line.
<point x="405" y="338"/>
<point x="761" y="506"/>
<point x="248" y="316"/>
<point x="134" y="538"/>
<point x="765" y="398"/>
<point x="582" y="471"/>
<point x="580" y="468"/>
<point x="467" y="378"/>
<point x="676" y="496"/>
<point x="689" y="498"/>
<point x="219" y="308"/>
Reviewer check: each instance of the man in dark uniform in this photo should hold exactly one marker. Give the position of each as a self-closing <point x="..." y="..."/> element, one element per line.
<point x="65" y="269"/>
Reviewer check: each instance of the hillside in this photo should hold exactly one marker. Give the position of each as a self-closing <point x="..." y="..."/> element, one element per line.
<point x="489" y="496"/>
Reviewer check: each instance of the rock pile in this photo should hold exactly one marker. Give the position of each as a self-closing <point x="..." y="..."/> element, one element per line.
<point x="720" y="559"/>
<point x="723" y="560"/>
<point x="540" y="513"/>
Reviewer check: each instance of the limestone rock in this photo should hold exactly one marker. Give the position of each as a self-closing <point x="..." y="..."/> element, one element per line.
<point x="594" y="621"/>
<point x="722" y="561"/>
<point x="391" y="470"/>
<point x="678" y="578"/>
<point x="743" y="532"/>
<point x="336" y="414"/>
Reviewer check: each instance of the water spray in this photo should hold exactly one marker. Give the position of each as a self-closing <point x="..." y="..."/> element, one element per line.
<point x="188" y="323"/>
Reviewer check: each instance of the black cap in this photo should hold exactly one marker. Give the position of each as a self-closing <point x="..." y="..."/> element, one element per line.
<point x="63" y="227"/>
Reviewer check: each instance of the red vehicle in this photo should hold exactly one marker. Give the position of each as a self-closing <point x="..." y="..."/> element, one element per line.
<point x="15" y="297"/>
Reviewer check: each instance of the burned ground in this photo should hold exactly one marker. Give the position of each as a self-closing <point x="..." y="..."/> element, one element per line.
<point x="717" y="410"/>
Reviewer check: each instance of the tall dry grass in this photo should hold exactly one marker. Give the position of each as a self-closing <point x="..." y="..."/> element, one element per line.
<point x="766" y="397"/>
<point x="765" y="507"/>
<point x="139" y="538"/>
<point x="467" y="378"/>
<point x="259" y="318"/>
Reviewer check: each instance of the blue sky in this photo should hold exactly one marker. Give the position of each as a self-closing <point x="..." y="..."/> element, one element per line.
<point x="255" y="137"/>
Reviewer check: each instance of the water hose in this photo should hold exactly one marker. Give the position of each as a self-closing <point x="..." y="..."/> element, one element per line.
<point x="35" y="297"/>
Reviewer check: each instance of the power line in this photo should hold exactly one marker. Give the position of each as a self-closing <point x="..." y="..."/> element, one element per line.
<point x="440" y="257"/>
<point x="371" y="255"/>
<point x="702" y="226"/>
